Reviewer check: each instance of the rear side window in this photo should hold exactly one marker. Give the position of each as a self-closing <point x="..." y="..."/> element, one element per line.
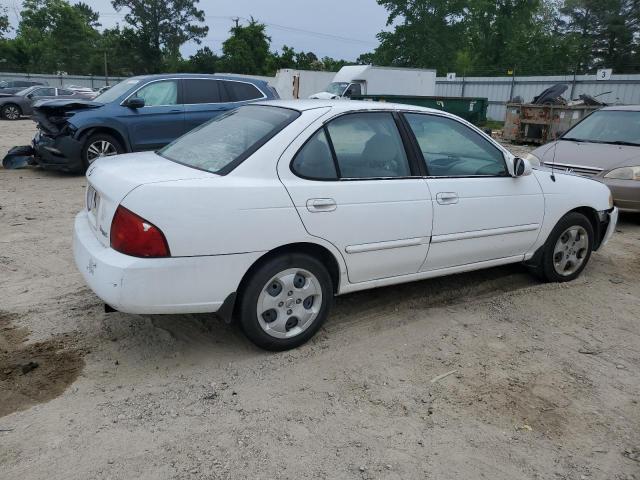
<point x="44" y="92"/>
<point x="201" y="91"/>
<point x="368" y="145"/>
<point x="240" y="91"/>
<point x="64" y="92"/>
<point x="314" y="160"/>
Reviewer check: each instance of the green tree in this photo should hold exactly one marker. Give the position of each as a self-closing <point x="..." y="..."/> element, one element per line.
<point x="605" y="32"/>
<point x="162" y="27"/>
<point x="246" y="51"/>
<point x="91" y="16"/>
<point x="4" y="22"/>
<point x="54" y="36"/>
<point x="428" y="35"/>
<point x="203" y="61"/>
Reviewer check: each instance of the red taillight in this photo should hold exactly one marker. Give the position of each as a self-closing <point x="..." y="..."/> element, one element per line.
<point x="133" y="235"/>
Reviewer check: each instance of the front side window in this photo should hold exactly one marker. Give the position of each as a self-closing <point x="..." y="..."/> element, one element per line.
<point x="160" y="93"/>
<point x="220" y="144"/>
<point x="368" y="145"/>
<point x="117" y="90"/>
<point x="451" y="149"/>
<point x="201" y="91"/>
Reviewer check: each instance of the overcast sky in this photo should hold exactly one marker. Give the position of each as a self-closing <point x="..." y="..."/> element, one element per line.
<point x="336" y="28"/>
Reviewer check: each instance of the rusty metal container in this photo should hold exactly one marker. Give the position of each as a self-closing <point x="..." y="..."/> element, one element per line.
<point x="528" y="123"/>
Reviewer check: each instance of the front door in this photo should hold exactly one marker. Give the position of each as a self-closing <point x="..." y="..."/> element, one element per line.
<point x="481" y="213"/>
<point x="160" y="121"/>
<point x="353" y="185"/>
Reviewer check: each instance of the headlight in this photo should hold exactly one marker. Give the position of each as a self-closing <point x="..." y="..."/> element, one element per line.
<point x="624" y="173"/>
<point x="533" y="160"/>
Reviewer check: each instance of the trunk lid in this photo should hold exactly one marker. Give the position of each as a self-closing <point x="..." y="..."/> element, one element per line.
<point x="110" y="179"/>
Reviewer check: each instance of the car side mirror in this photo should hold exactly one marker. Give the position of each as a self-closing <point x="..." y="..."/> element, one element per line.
<point x="135" y="103"/>
<point x="30" y="96"/>
<point x="521" y="167"/>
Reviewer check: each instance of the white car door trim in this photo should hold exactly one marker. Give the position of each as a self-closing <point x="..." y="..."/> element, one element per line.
<point x="372" y="247"/>
<point x="469" y="267"/>
<point x="484" y="233"/>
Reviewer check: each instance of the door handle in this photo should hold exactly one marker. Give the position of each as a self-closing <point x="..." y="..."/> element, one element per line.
<point x="317" y="205"/>
<point x="447" y="198"/>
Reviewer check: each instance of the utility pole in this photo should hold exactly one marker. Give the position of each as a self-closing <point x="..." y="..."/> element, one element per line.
<point x="106" y="72"/>
<point x="237" y="20"/>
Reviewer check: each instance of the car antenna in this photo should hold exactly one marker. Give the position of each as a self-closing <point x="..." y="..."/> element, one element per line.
<point x="553" y="161"/>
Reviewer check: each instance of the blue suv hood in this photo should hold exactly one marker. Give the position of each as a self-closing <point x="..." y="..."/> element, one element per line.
<point x="52" y="115"/>
<point x="66" y="105"/>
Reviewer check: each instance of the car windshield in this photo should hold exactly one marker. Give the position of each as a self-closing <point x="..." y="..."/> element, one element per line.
<point x="116" y="91"/>
<point x="25" y="91"/>
<point x="337" y="88"/>
<point x="220" y="144"/>
<point x="607" y="126"/>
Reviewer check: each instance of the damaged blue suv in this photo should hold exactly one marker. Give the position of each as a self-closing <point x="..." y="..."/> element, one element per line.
<point x="139" y="113"/>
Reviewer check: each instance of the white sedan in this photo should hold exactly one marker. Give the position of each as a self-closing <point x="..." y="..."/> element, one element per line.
<point x="266" y="212"/>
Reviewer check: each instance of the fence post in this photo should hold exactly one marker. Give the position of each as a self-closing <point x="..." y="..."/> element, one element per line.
<point x="513" y="83"/>
<point x="463" y="85"/>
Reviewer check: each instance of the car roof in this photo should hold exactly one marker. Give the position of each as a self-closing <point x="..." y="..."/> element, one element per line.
<point x="340" y="106"/>
<point x="623" y="108"/>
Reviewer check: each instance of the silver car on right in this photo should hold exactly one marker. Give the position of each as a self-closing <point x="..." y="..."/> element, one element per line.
<point x="605" y="146"/>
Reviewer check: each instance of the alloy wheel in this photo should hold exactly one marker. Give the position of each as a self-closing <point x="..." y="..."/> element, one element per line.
<point x="289" y="303"/>
<point x="100" y="148"/>
<point x="11" y="112"/>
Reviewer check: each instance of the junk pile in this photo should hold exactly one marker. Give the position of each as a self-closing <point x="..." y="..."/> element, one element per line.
<point x="548" y="116"/>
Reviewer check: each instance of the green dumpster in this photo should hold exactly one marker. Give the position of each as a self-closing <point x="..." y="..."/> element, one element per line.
<point x="472" y="109"/>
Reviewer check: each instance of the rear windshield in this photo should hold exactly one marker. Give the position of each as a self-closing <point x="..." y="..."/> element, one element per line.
<point x="222" y="143"/>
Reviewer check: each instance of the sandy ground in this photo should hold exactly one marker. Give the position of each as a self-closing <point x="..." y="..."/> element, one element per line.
<point x="545" y="381"/>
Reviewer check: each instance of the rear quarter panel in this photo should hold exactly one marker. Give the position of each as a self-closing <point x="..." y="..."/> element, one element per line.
<point x="248" y="210"/>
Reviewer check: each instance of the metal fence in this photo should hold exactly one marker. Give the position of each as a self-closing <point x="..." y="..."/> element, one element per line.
<point x="625" y="89"/>
<point x="61" y="80"/>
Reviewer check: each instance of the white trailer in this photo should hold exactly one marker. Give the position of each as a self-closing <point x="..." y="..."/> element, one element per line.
<point x="292" y="84"/>
<point x="369" y="80"/>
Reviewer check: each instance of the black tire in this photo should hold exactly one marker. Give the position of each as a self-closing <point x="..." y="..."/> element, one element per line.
<point x="258" y="281"/>
<point x="546" y="269"/>
<point x="11" y="111"/>
<point x="98" y="137"/>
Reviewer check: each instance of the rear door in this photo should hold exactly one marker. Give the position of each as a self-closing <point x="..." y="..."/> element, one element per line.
<point x="355" y="185"/>
<point x="202" y="101"/>
<point x="480" y="212"/>
<point x="160" y="121"/>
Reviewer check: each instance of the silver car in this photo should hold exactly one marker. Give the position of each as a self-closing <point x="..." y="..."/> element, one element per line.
<point x="604" y="146"/>
<point x="13" y="106"/>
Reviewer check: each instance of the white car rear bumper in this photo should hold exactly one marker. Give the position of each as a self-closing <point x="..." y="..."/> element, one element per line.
<point x="156" y="285"/>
